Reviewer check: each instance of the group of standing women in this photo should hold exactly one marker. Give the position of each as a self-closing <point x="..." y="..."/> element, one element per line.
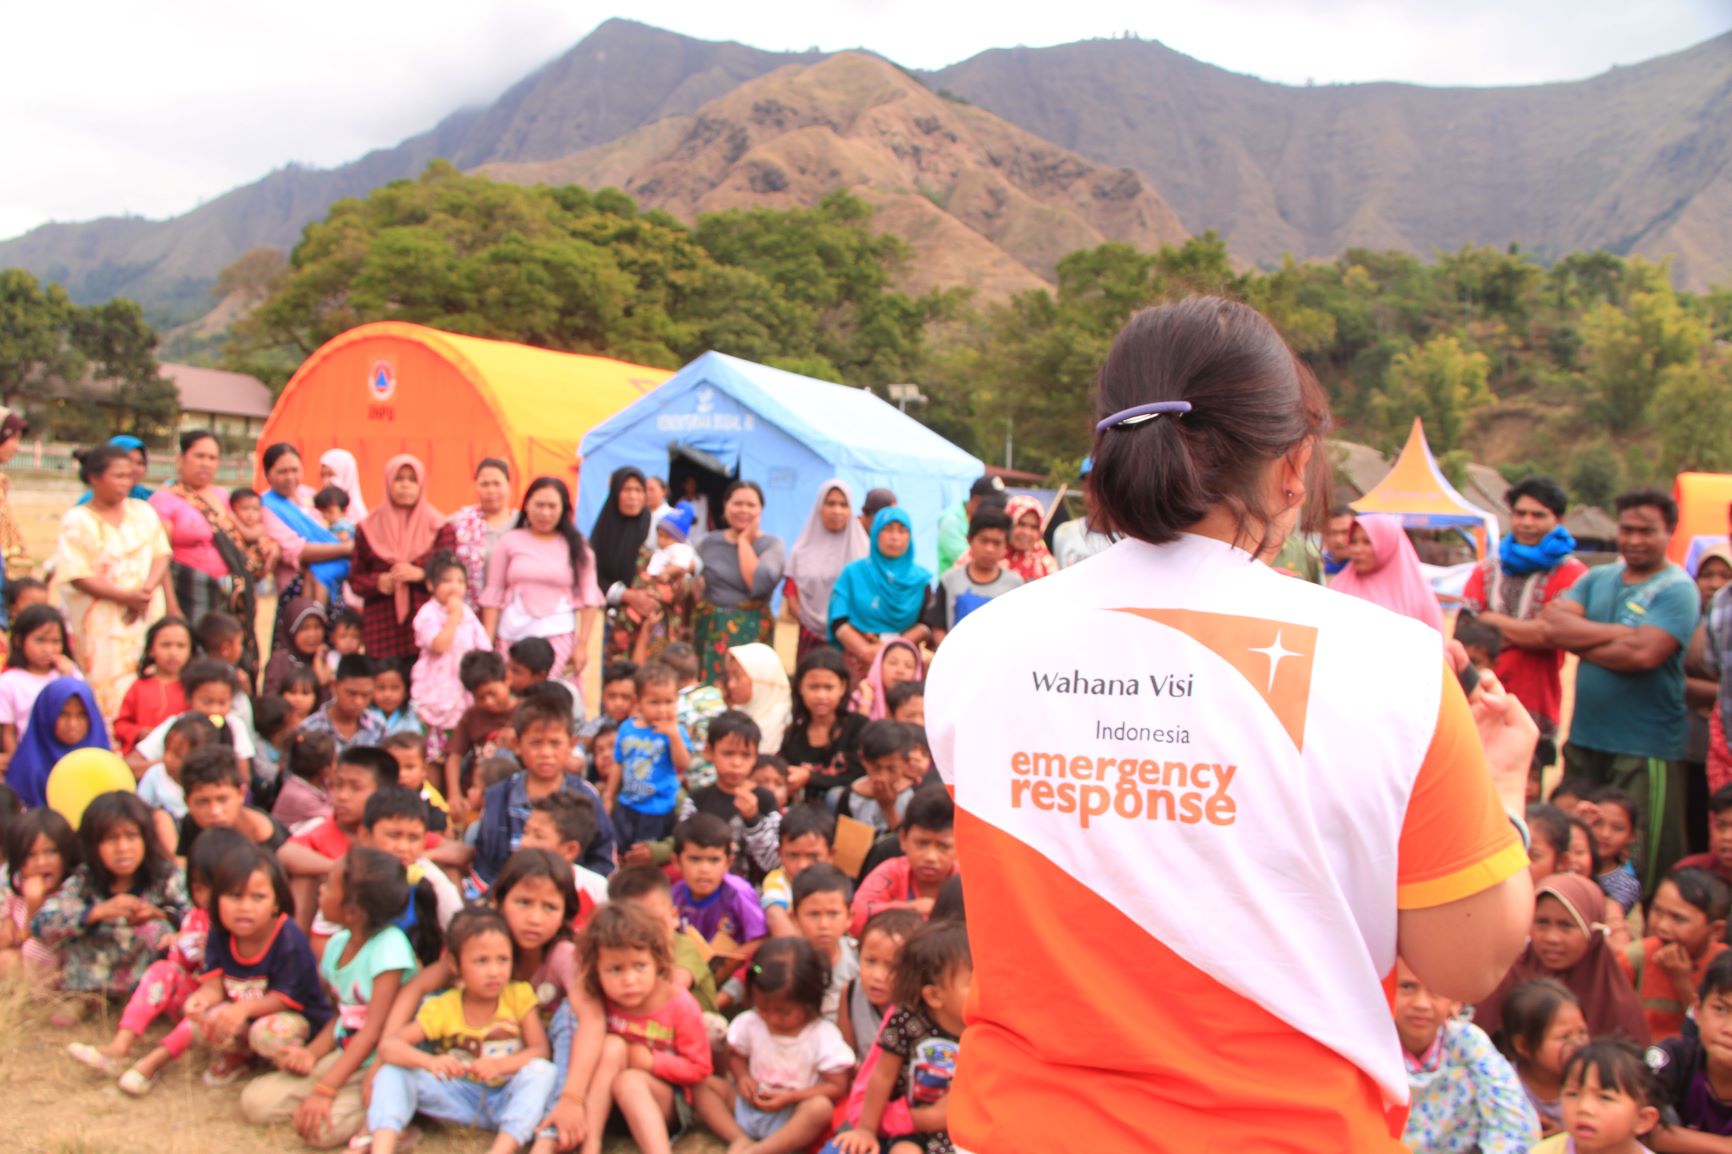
<point x="127" y="556"/>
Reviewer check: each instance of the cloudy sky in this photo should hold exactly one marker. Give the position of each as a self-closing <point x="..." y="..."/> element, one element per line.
<point x="113" y="106"/>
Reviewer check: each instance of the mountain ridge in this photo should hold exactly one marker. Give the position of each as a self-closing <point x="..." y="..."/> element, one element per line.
<point x="1637" y="159"/>
<point x="983" y="204"/>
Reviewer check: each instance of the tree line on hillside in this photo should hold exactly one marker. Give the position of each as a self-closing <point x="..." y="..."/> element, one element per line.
<point x="57" y="358"/>
<point x="1591" y="367"/>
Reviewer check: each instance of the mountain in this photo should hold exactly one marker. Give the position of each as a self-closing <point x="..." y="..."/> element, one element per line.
<point x="621" y="76"/>
<point x="981" y="202"/>
<point x="1637" y="160"/>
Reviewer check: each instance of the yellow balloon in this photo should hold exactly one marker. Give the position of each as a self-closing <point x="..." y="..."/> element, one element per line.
<point x="84" y="775"/>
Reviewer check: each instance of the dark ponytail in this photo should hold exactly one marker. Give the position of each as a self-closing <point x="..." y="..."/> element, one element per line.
<point x="1250" y="401"/>
<point x="425" y="937"/>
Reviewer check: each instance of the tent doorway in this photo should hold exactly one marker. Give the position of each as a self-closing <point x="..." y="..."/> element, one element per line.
<point x="694" y="473"/>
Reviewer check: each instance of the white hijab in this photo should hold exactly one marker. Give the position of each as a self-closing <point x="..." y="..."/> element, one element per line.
<point x="819" y="556"/>
<point x="346" y="475"/>
<point x="772" y="700"/>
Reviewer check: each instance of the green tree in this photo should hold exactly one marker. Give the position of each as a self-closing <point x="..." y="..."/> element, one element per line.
<point x="1626" y="350"/>
<point x="120" y="349"/>
<point x="1693" y="413"/>
<point x="1442" y="383"/>
<point x="565" y="268"/>
<point x="1596" y="474"/>
<point x="35" y="353"/>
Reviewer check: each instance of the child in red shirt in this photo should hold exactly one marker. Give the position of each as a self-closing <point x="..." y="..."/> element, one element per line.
<point x="657" y="1048"/>
<point x="157" y="694"/>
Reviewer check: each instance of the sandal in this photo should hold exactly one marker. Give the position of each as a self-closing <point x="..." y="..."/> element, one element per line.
<point x="87" y="1055"/>
<point x="135" y="1083"/>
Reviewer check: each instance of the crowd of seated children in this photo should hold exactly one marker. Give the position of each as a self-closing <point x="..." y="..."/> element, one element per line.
<point x="638" y="917"/>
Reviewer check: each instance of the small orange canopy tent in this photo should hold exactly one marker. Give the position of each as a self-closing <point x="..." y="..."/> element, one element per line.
<point x="1417" y="491"/>
<point x="389" y="388"/>
<point x="1703" y="501"/>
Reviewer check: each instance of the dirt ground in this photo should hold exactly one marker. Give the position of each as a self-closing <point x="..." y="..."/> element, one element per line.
<point x="52" y="1105"/>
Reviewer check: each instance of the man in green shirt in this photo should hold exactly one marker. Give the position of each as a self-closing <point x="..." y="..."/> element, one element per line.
<point x="1630" y="623"/>
<point x="953" y="525"/>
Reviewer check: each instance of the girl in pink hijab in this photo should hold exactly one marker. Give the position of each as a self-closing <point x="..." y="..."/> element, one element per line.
<point x="1384" y="569"/>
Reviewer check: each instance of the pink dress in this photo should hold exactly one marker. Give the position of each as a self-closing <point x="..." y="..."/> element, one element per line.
<point x="530" y="582"/>
<point x="436" y="692"/>
<point x="19" y="689"/>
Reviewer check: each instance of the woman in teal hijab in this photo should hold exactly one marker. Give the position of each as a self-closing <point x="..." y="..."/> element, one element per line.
<point x="882" y="594"/>
<point x="140" y="457"/>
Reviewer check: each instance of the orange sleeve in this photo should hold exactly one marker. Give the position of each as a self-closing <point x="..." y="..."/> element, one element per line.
<point x="1456" y="839"/>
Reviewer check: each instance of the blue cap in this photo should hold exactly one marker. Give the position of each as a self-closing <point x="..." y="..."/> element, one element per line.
<point x="679" y="520"/>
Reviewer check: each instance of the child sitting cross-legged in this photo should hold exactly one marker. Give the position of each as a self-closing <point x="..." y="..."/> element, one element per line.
<point x="534" y="894"/>
<point x="168" y="983"/>
<point x="912" y="881"/>
<point x="789" y="1065"/>
<point x="917" y="1046"/>
<point x="649" y="889"/>
<point x="261" y="992"/>
<point x="41" y="851"/>
<point x="120" y="908"/>
<point x="317" y="1087"/>
<point x="489" y="1066"/>
<point x="657" y="1049"/>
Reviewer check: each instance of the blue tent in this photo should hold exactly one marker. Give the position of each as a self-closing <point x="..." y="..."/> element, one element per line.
<point x="788" y="433"/>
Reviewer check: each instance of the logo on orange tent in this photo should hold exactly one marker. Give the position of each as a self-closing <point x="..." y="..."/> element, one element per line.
<point x="381" y="380"/>
<point x="1274" y="657"/>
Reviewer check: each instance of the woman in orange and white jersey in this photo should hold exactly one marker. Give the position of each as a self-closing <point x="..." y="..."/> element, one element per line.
<point x="1202" y="807"/>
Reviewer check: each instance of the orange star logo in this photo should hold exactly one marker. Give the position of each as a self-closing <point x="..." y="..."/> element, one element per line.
<point x="1274" y="657"/>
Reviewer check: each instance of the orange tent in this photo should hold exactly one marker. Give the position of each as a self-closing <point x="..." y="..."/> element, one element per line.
<point x="1417" y="491"/>
<point x="388" y="388"/>
<point x="1703" y="500"/>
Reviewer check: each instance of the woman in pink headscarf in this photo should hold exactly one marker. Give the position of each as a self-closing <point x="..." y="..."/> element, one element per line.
<point x="392" y="548"/>
<point x="1384" y="569"/>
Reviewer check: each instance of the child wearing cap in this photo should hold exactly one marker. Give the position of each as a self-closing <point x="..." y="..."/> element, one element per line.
<point x="673" y="557"/>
